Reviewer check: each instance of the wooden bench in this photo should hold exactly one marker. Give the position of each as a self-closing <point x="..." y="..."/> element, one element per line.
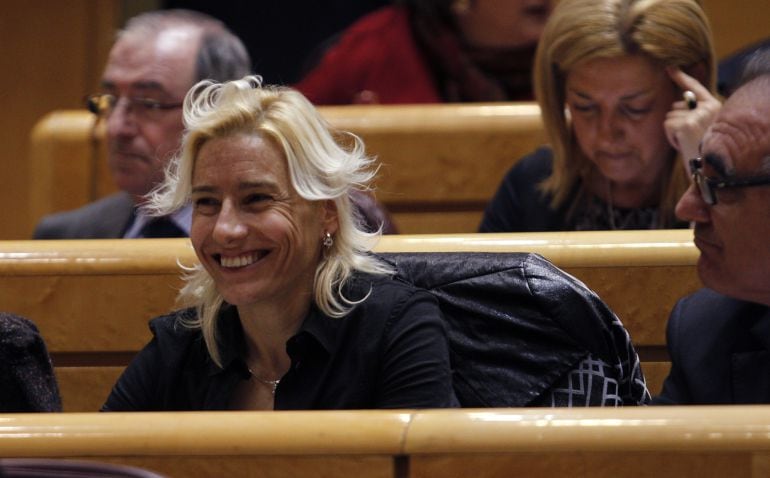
<point x="700" y="442"/>
<point x="461" y="151"/>
<point x="92" y="299"/>
<point x="83" y="32"/>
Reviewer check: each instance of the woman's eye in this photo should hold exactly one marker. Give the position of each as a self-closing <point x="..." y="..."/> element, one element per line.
<point x="583" y="108"/>
<point x="636" y="111"/>
<point x="256" y="198"/>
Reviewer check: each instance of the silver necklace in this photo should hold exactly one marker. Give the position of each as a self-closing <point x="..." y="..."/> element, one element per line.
<point x="634" y="218"/>
<point x="273" y="384"/>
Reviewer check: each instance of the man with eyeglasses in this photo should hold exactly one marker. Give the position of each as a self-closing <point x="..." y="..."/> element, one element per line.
<point x="154" y="62"/>
<point x="719" y="337"/>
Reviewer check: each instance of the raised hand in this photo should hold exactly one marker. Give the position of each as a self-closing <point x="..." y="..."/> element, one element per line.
<point x="690" y="117"/>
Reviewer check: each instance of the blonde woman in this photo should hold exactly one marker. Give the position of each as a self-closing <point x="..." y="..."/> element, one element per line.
<point x="608" y="75"/>
<point x="289" y="308"/>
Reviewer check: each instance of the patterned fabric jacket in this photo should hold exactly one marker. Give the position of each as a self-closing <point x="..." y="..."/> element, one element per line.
<point x="523" y="333"/>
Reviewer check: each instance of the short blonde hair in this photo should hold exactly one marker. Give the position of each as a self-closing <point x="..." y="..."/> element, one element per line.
<point x="668" y="32"/>
<point x="320" y="168"/>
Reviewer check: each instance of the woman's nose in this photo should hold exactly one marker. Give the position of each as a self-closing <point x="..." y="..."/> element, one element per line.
<point x="229" y="225"/>
<point x="610" y="127"/>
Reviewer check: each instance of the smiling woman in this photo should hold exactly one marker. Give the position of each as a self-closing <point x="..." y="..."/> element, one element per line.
<point x="289" y="310"/>
<point x="609" y="78"/>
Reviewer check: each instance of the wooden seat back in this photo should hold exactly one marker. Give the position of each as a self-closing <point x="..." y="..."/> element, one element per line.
<point x="92" y="299"/>
<point x="439" y="164"/>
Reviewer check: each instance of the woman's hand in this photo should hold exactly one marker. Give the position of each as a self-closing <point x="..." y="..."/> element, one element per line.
<point x="686" y="122"/>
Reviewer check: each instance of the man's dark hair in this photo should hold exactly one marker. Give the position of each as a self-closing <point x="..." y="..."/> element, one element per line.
<point x="221" y="55"/>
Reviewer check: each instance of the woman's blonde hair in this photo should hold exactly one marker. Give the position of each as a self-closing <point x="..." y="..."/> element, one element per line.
<point x="320" y="168"/>
<point x="668" y="32"/>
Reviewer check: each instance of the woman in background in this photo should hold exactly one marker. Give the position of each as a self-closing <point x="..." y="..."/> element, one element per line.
<point x="432" y="51"/>
<point x="608" y="75"/>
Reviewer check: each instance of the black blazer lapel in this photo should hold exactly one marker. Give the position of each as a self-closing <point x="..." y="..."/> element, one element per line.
<point x="751" y="369"/>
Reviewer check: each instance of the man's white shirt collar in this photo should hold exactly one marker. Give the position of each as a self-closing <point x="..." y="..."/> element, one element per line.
<point x="182" y="218"/>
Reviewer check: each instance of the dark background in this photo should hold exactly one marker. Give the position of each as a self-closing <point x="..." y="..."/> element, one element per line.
<point x="284" y="37"/>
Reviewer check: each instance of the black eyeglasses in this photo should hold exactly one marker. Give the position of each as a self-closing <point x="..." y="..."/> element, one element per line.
<point x="708" y="186"/>
<point x="146" y="108"/>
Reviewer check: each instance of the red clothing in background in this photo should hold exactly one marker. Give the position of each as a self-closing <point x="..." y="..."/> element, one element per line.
<point x="376" y="60"/>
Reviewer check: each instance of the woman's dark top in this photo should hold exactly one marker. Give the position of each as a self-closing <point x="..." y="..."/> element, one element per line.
<point x="390" y="351"/>
<point x="520" y="206"/>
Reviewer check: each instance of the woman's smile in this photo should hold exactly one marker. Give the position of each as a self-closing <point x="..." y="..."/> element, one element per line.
<point x="258" y="239"/>
<point x="240" y="260"/>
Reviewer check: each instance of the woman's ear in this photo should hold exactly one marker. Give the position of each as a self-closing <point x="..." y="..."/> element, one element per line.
<point x="329" y="217"/>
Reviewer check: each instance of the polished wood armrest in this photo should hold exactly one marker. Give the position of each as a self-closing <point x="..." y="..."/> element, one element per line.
<point x="698" y="442"/>
<point x="203" y="433"/>
<point x="542" y="430"/>
<point x="390" y="432"/>
<point x="565" y="249"/>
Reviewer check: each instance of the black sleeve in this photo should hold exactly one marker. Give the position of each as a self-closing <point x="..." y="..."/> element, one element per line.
<point x="137" y="387"/>
<point x="675" y="390"/>
<point x="415" y="368"/>
<point x="518" y="205"/>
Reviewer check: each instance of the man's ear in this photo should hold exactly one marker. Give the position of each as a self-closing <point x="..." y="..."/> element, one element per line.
<point x="329" y="216"/>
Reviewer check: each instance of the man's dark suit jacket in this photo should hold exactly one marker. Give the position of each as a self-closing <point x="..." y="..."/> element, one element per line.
<point x="106" y="218"/>
<point x="720" y="351"/>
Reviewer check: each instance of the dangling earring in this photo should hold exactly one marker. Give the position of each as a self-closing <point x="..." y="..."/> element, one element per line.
<point x="328" y="241"/>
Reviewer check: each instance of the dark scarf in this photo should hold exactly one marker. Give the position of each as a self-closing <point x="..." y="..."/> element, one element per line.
<point x="467" y="74"/>
<point x="27" y="380"/>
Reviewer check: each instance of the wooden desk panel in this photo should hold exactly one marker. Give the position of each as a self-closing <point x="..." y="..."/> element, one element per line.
<point x="92" y="299"/>
<point x="106" y="313"/>
<point x="263" y="466"/>
<point x="584" y="465"/>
